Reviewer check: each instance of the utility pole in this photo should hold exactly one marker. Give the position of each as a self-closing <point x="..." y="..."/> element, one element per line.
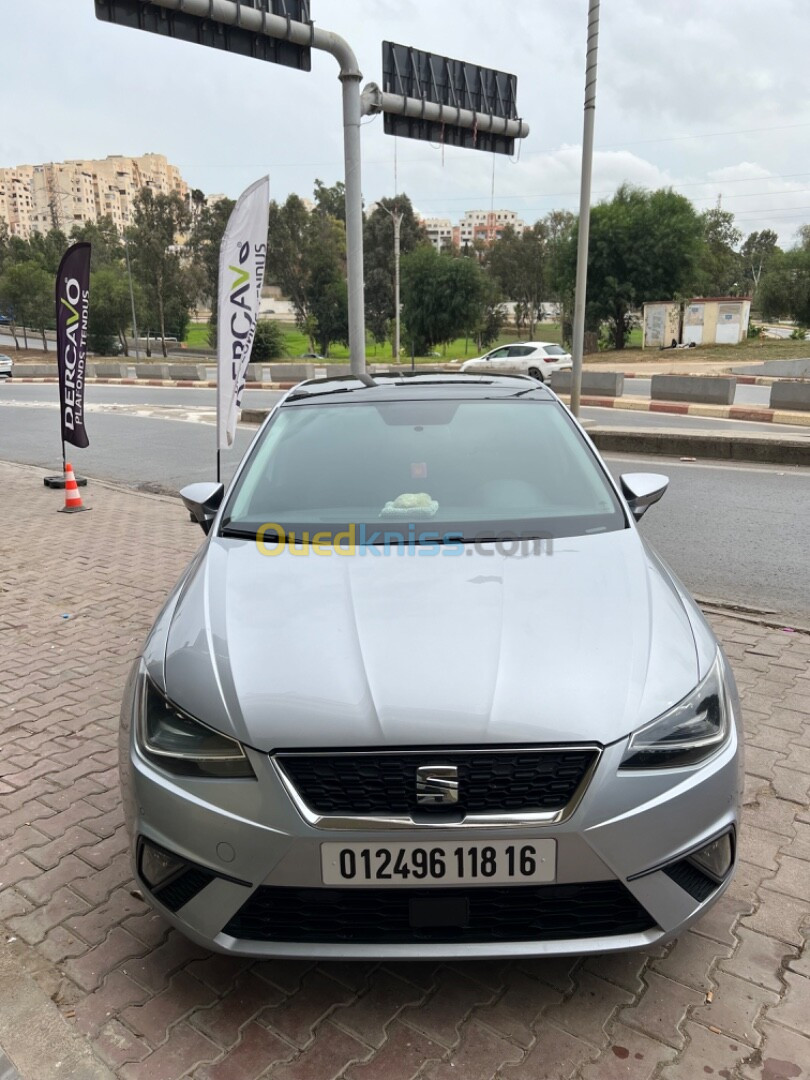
<point x="397" y="236"/>
<point x="396" y="216"/>
<point x="585" y="204"/>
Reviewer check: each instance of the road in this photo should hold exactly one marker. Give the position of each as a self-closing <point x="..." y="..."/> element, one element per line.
<point x="732" y="532"/>
<point x="160" y="398"/>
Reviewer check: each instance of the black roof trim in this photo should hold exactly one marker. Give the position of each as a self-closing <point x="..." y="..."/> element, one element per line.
<point x="423" y="380"/>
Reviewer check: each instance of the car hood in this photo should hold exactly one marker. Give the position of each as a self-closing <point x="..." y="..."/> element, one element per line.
<point x="291" y="651"/>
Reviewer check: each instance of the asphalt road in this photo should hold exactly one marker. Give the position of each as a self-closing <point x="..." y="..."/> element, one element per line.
<point x="165" y="397"/>
<point x="736" y="533"/>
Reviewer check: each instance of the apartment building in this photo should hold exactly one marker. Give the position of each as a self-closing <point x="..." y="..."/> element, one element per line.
<point x="37" y="198"/>
<point x="482" y="225"/>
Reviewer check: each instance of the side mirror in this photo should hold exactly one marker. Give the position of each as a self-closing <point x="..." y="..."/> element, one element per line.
<point x="202" y="501"/>
<point x="642" y="489"/>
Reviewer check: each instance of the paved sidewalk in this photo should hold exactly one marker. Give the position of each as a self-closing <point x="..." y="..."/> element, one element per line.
<point x="731" y="999"/>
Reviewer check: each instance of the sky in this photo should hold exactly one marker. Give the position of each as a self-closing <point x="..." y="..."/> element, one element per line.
<point x="708" y="97"/>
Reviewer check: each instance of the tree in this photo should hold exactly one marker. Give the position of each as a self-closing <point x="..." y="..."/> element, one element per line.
<point x="443" y="297"/>
<point x="331" y="200"/>
<point x="47" y="249"/>
<point x="287" y="242"/>
<point x="307" y="259"/>
<point x="204" y="244"/>
<point x="720" y="268"/>
<point x="107" y="248"/>
<point x="326" y="294"/>
<point x="492" y="315"/>
<point x="158" y="222"/>
<point x="784" y="290"/>
<point x="27" y="295"/>
<point x="378" y="254"/>
<point x="755" y="255"/>
<point x="644" y="245"/>
<point x="110" y="311"/>
<point x="519" y="265"/>
<point x="268" y="342"/>
<point x="559" y="225"/>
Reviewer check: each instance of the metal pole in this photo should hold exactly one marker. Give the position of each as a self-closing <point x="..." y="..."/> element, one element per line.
<point x="397" y="237"/>
<point x="276" y="26"/>
<point x="354" y="221"/>
<point x="376" y="100"/>
<point x="585" y="204"/>
<point x="132" y="301"/>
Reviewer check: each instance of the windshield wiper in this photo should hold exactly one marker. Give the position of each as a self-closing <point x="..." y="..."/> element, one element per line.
<point x="242" y="534"/>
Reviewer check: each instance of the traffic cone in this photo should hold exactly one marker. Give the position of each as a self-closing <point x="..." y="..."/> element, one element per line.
<point x="73" y="500"/>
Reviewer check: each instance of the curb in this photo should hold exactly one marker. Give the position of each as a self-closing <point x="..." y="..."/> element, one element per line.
<point x="679" y="408"/>
<point x="765" y="449"/>
<point x="744" y="380"/>
<point x="183" y="383"/>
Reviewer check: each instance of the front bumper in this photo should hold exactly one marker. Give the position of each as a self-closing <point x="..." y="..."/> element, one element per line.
<point x="247" y="840"/>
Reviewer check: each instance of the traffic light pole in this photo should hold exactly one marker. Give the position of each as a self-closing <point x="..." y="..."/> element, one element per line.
<point x="257" y="21"/>
<point x="230" y="13"/>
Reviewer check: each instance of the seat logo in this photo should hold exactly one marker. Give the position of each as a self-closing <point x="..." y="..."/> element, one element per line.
<point x="436" y="785"/>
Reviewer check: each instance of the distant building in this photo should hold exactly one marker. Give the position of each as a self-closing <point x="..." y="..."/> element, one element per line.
<point x="38" y="198"/>
<point x="485" y="226"/>
<point x="705" y="320"/>
<point x="439" y="231"/>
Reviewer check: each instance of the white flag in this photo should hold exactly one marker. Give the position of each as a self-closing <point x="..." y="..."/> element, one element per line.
<point x="242" y="259"/>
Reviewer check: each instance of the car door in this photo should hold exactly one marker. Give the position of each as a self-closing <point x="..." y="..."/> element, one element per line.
<point x="495" y="360"/>
<point x="517" y="361"/>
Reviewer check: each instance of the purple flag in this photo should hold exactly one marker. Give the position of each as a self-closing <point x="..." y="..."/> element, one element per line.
<point x="72" y="305"/>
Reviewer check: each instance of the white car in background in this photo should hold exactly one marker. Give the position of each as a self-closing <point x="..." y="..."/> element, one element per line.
<point x="536" y="358"/>
<point x="6" y="365"/>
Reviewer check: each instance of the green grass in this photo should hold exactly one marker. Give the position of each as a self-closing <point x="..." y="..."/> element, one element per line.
<point x="197" y="335"/>
<point x="296" y="343"/>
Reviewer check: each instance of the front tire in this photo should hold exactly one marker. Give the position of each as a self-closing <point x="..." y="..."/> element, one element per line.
<point x="536" y="373"/>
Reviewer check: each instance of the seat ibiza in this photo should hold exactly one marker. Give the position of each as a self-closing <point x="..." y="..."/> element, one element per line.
<point x="425" y="686"/>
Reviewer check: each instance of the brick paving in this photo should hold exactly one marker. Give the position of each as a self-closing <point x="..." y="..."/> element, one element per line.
<point x="77" y="595"/>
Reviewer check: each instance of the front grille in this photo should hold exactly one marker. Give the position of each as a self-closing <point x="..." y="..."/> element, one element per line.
<point x="498" y="781"/>
<point x="517" y="913"/>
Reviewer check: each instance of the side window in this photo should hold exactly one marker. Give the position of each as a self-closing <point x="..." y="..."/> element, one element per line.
<point x="520" y="350"/>
<point x="498" y="354"/>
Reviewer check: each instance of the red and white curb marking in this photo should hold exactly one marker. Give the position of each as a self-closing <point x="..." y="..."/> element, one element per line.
<point x="718" y="412"/>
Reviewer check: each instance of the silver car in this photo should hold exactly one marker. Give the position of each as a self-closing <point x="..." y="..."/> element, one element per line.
<point x="425" y="685"/>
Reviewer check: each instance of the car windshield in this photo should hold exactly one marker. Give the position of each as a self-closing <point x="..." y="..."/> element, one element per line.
<point x="471" y="469"/>
<point x="554" y="350"/>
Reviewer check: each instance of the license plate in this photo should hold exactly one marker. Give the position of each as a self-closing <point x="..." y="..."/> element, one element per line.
<point x="495" y="862"/>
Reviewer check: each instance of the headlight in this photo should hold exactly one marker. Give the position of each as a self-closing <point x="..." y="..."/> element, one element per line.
<point x="689" y="733"/>
<point x="182" y="745"/>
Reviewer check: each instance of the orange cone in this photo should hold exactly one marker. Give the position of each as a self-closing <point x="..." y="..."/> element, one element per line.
<point x="73" y="500"/>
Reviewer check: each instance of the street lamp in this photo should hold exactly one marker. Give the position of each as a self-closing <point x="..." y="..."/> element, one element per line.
<point x="396" y="216"/>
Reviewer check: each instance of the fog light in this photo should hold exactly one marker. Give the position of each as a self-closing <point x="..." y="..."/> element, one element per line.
<point x="715" y="859"/>
<point x="158" y="865"/>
